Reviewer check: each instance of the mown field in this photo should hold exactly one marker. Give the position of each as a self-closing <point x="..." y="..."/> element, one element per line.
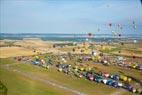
<point x="21" y="85"/>
<point x="18" y="84"/>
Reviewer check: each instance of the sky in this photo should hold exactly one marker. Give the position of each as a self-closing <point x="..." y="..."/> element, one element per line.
<point x="70" y="16"/>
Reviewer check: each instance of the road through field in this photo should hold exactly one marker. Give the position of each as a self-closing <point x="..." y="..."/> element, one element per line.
<point x="37" y="78"/>
<point x="119" y="92"/>
<point x="34" y="77"/>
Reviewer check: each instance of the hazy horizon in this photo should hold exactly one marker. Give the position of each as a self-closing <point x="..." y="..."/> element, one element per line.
<point x="70" y="17"/>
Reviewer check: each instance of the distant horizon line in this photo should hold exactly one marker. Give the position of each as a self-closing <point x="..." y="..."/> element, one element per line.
<point x="75" y="33"/>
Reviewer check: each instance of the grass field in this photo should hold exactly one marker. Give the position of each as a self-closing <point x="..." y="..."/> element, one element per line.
<point x="18" y="84"/>
<point x="21" y="85"/>
<point x="27" y="79"/>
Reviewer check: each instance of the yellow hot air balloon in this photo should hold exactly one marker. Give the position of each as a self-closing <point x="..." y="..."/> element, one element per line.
<point x="89" y="69"/>
<point x="125" y="78"/>
<point x="60" y="69"/>
<point x="129" y="79"/>
<point x="47" y="67"/>
<point x="121" y="77"/>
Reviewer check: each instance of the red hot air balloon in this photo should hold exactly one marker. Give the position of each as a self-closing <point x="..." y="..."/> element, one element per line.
<point x="89" y="34"/>
<point x="110" y="24"/>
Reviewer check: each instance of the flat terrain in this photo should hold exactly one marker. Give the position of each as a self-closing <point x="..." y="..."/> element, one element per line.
<point x="6" y="52"/>
<point x="23" y="84"/>
<point x="24" y="78"/>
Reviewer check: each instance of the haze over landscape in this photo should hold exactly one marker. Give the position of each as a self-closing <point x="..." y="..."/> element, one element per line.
<point x="69" y="16"/>
<point x="70" y="47"/>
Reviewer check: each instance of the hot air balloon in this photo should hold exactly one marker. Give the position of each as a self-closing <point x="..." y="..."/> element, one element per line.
<point x="86" y="39"/>
<point x="90" y="34"/>
<point x="120" y="26"/>
<point x="119" y="35"/>
<point x="110" y="24"/>
<point x="133" y="22"/>
<point x="114" y="33"/>
<point x="98" y="29"/>
<point x="135" y="41"/>
<point x="134" y="25"/>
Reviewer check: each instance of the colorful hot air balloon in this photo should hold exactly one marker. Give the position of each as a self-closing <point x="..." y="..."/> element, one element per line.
<point x="134" y="25"/>
<point x="119" y="35"/>
<point x="110" y="24"/>
<point x="90" y="34"/>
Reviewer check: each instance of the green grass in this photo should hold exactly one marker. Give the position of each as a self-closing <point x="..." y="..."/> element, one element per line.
<point x="6" y="61"/>
<point x="72" y="82"/>
<point x="19" y="85"/>
<point x="122" y="48"/>
<point x="135" y="51"/>
<point x="32" y="87"/>
<point x="111" y="50"/>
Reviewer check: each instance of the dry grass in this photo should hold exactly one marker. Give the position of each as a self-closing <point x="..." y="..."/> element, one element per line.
<point x="14" y="51"/>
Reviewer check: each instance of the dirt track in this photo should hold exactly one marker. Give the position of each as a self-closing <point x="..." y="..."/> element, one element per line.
<point x="37" y="78"/>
